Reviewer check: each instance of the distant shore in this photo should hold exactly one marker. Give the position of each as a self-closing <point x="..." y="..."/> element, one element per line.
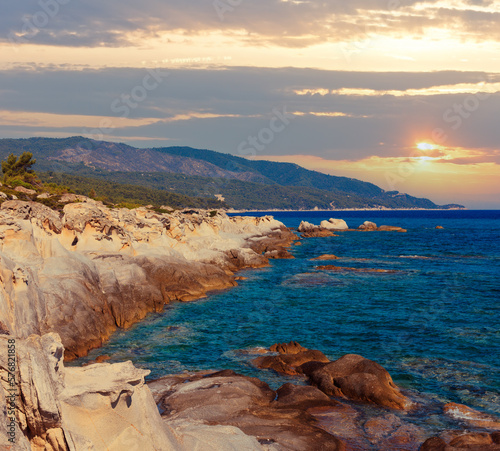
<point x="231" y="211"/>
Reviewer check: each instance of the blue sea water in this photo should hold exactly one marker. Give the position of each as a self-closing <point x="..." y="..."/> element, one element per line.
<point x="434" y="324"/>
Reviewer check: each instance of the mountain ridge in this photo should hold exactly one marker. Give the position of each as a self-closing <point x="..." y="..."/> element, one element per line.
<point x="245" y="184"/>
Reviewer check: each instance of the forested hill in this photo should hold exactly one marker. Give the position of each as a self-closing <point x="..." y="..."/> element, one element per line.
<point x="244" y="184"/>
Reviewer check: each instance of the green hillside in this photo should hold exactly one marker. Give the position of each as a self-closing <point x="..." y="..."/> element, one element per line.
<point x="244" y="184"/>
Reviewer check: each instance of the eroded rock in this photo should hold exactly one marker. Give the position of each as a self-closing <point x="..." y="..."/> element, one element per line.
<point x="93" y="269"/>
<point x="228" y="399"/>
<point x="354" y="377"/>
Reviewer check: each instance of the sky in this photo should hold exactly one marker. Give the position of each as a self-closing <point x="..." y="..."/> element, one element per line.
<point x="404" y="94"/>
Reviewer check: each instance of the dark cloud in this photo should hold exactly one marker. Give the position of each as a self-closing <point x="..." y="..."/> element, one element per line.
<point x="244" y="98"/>
<point x="296" y="24"/>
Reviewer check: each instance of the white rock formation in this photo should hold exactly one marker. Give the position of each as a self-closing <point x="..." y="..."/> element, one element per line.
<point x="97" y="407"/>
<point x="92" y="269"/>
<point x="334" y="224"/>
<point x="306" y="227"/>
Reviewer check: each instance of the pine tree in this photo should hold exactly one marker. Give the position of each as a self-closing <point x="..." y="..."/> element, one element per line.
<point x="20" y="168"/>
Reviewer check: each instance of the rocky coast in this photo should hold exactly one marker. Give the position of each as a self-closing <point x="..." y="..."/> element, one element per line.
<point x="88" y="270"/>
<point x="69" y="279"/>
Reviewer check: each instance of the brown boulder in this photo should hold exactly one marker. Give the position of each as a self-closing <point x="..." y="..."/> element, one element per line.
<point x="342" y="421"/>
<point x="477" y="441"/>
<point x="287" y="348"/>
<point x="354" y="377"/>
<point x="386" y="228"/>
<point x="433" y="444"/>
<point x="226" y="398"/>
<point x="289" y="363"/>
<point x="473" y="439"/>
<point x="301" y="396"/>
<point x="278" y="253"/>
<point x="320" y="233"/>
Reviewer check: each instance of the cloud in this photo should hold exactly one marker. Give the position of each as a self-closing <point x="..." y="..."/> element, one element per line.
<point x="117" y="23"/>
<point x="219" y="109"/>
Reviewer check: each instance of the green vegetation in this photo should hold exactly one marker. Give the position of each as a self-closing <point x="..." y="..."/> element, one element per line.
<point x="17" y="171"/>
<point x="245" y="184"/>
<point x="127" y="195"/>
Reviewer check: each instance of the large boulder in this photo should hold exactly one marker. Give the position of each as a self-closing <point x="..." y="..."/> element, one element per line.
<point x="306" y="227"/>
<point x="292" y="347"/>
<point x="313" y="231"/>
<point x="334" y="224"/>
<point x="291" y="364"/>
<point x="227" y="399"/>
<point x="292" y="359"/>
<point x="354" y="377"/>
<point x="368" y="226"/>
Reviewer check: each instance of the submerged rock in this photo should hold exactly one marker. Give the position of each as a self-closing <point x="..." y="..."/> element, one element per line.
<point x="326" y="257"/>
<point x="320" y="233"/>
<point x="347" y="269"/>
<point x="471" y="417"/>
<point x="386" y="228"/>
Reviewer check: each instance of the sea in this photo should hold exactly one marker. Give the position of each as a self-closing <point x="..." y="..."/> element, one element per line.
<point x="433" y="323"/>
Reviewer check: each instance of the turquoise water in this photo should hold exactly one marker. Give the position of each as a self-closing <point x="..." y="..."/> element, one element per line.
<point x="434" y="324"/>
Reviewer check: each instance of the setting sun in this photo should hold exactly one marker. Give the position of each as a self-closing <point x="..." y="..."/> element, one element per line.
<point x="425" y="146"/>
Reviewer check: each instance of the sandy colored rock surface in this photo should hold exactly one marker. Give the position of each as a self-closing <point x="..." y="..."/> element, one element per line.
<point x="90" y="270"/>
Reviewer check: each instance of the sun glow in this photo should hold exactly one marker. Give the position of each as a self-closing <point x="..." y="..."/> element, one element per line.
<point x="425" y="146"/>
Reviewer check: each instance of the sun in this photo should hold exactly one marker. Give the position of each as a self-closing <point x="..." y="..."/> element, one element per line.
<point x="425" y="146"/>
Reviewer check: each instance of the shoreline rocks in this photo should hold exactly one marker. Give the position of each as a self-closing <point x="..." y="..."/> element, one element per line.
<point x="309" y="230"/>
<point x="350" y="377"/>
<point x="91" y="269"/>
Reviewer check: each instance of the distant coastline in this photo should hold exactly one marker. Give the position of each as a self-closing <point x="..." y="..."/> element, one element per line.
<point x="232" y="211"/>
